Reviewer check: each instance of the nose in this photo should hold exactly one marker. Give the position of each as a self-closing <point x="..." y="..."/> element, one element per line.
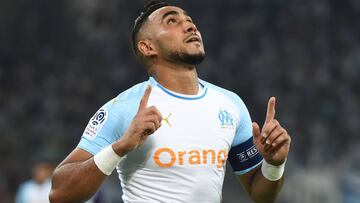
<point x="190" y="27"/>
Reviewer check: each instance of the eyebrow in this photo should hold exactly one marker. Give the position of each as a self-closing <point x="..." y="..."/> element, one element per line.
<point x="172" y="13"/>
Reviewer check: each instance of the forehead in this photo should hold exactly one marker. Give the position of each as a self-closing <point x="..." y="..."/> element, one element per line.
<point x="157" y="15"/>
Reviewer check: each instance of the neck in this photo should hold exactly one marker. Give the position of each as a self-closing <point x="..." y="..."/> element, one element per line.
<point x="179" y="78"/>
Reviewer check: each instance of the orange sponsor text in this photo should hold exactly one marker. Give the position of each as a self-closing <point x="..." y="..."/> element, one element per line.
<point x="192" y="157"/>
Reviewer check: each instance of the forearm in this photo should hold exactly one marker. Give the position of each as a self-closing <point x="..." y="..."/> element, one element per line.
<point x="263" y="190"/>
<point x="76" y="182"/>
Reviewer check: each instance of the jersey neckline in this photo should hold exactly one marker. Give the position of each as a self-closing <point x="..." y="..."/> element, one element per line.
<point x="202" y="91"/>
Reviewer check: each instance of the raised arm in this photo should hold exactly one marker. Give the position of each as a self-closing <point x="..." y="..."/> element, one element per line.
<point x="80" y="175"/>
<point x="272" y="142"/>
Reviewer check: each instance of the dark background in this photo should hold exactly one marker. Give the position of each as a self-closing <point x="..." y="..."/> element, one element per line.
<point x="61" y="60"/>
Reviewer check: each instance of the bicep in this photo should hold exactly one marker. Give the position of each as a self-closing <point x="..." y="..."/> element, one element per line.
<point x="77" y="155"/>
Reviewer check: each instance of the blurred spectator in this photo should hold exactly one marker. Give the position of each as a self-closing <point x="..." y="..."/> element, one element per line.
<point x="37" y="189"/>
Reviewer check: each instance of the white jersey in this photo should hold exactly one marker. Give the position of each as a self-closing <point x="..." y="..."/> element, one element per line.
<point x="184" y="160"/>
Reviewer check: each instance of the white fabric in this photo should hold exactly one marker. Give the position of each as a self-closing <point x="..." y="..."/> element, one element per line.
<point x="271" y="172"/>
<point x="107" y="160"/>
<point x="170" y="166"/>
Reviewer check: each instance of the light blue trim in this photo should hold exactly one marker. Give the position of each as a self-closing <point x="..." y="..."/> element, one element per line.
<point x="247" y="170"/>
<point x="153" y="81"/>
<point x="182" y="97"/>
<point x="87" y="146"/>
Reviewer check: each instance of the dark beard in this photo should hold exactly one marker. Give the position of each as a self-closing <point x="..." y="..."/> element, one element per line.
<point x="191" y="59"/>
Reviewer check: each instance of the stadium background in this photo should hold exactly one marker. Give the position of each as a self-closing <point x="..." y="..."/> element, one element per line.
<point x="61" y="60"/>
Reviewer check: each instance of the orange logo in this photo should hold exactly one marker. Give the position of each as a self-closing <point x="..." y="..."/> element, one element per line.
<point x="193" y="157"/>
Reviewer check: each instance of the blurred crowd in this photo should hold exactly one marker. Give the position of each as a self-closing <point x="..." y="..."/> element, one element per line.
<point x="61" y="60"/>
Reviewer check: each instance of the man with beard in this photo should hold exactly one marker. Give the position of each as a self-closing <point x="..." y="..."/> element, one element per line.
<point x="170" y="137"/>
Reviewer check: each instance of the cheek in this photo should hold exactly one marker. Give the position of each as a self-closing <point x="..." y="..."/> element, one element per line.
<point x="169" y="43"/>
<point x="169" y="38"/>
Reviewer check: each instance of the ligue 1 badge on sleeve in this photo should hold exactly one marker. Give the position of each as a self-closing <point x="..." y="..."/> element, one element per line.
<point x="96" y="123"/>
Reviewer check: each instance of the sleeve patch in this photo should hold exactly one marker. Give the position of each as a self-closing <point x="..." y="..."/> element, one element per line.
<point x="95" y="124"/>
<point x="244" y="156"/>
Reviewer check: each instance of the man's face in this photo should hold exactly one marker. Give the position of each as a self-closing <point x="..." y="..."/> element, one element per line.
<point x="175" y="36"/>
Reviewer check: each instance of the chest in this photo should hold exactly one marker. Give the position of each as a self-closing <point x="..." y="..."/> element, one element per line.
<point x="196" y="124"/>
<point x="192" y="134"/>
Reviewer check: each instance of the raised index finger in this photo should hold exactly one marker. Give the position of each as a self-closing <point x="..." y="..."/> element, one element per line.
<point x="270" y="113"/>
<point x="145" y="98"/>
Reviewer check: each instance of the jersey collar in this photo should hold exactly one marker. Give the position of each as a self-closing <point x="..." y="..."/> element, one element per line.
<point x="201" y="94"/>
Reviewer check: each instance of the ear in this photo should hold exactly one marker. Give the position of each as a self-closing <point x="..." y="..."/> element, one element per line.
<point x="146" y="48"/>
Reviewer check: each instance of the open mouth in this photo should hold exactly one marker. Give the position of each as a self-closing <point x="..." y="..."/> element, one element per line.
<point x="193" y="38"/>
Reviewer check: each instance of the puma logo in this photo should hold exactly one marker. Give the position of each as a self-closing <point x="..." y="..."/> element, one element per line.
<point x="166" y="119"/>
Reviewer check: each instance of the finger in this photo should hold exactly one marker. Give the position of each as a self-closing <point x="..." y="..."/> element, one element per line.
<point x="153" y="118"/>
<point x="280" y="139"/>
<point x="149" y="128"/>
<point x="269" y="127"/>
<point x="145" y="98"/>
<point x="274" y="135"/>
<point x="153" y="111"/>
<point x="256" y="130"/>
<point x="270" y="113"/>
<point x="280" y="142"/>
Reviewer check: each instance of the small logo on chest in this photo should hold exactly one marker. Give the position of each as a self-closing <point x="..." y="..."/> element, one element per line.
<point x="166" y="119"/>
<point x="226" y="119"/>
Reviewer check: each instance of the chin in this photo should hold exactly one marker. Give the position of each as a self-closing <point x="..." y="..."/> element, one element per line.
<point x="188" y="57"/>
<point x="195" y="58"/>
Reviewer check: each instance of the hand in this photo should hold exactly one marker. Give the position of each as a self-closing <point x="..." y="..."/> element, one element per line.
<point x="146" y="122"/>
<point x="273" y="142"/>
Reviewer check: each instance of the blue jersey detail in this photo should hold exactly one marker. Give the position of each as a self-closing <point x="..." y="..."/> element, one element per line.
<point x="121" y="111"/>
<point x="248" y="169"/>
<point x="243" y="157"/>
<point x="152" y="80"/>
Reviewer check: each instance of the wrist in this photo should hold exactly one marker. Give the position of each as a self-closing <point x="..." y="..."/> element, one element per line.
<point x="272" y="172"/>
<point x="107" y="160"/>
<point x="121" y="147"/>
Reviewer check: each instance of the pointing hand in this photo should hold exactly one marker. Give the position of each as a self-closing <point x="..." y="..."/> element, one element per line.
<point x="146" y="122"/>
<point x="272" y="141"/>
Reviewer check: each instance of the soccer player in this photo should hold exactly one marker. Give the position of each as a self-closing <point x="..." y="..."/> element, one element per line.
<point x="169" y="137"/>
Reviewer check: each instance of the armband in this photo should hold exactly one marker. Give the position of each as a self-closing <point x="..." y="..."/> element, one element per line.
<point x="244" y="157"/>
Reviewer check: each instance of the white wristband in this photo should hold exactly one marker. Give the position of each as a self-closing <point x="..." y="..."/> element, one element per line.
<point x="107" y="160"/>
<point x="271" y="172"/>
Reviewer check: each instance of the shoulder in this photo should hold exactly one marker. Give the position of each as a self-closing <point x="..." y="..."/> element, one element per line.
<point x="128" y="99"/>
<point x="112" y="119"/>
<point x="229" y="95"/>
<point x="124" y="104"/>
<point x="133" y="93"/>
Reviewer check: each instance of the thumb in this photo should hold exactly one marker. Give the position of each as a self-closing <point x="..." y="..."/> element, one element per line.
<point x="256" y="130"/>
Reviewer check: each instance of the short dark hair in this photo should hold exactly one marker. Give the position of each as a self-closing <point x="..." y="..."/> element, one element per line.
<point x="148" y="9"/>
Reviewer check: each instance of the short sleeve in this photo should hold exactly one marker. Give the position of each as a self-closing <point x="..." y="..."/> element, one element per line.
<point x="111" y="121"/>
<point x="104" y="128"/>
<point x="243" y="155"/>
